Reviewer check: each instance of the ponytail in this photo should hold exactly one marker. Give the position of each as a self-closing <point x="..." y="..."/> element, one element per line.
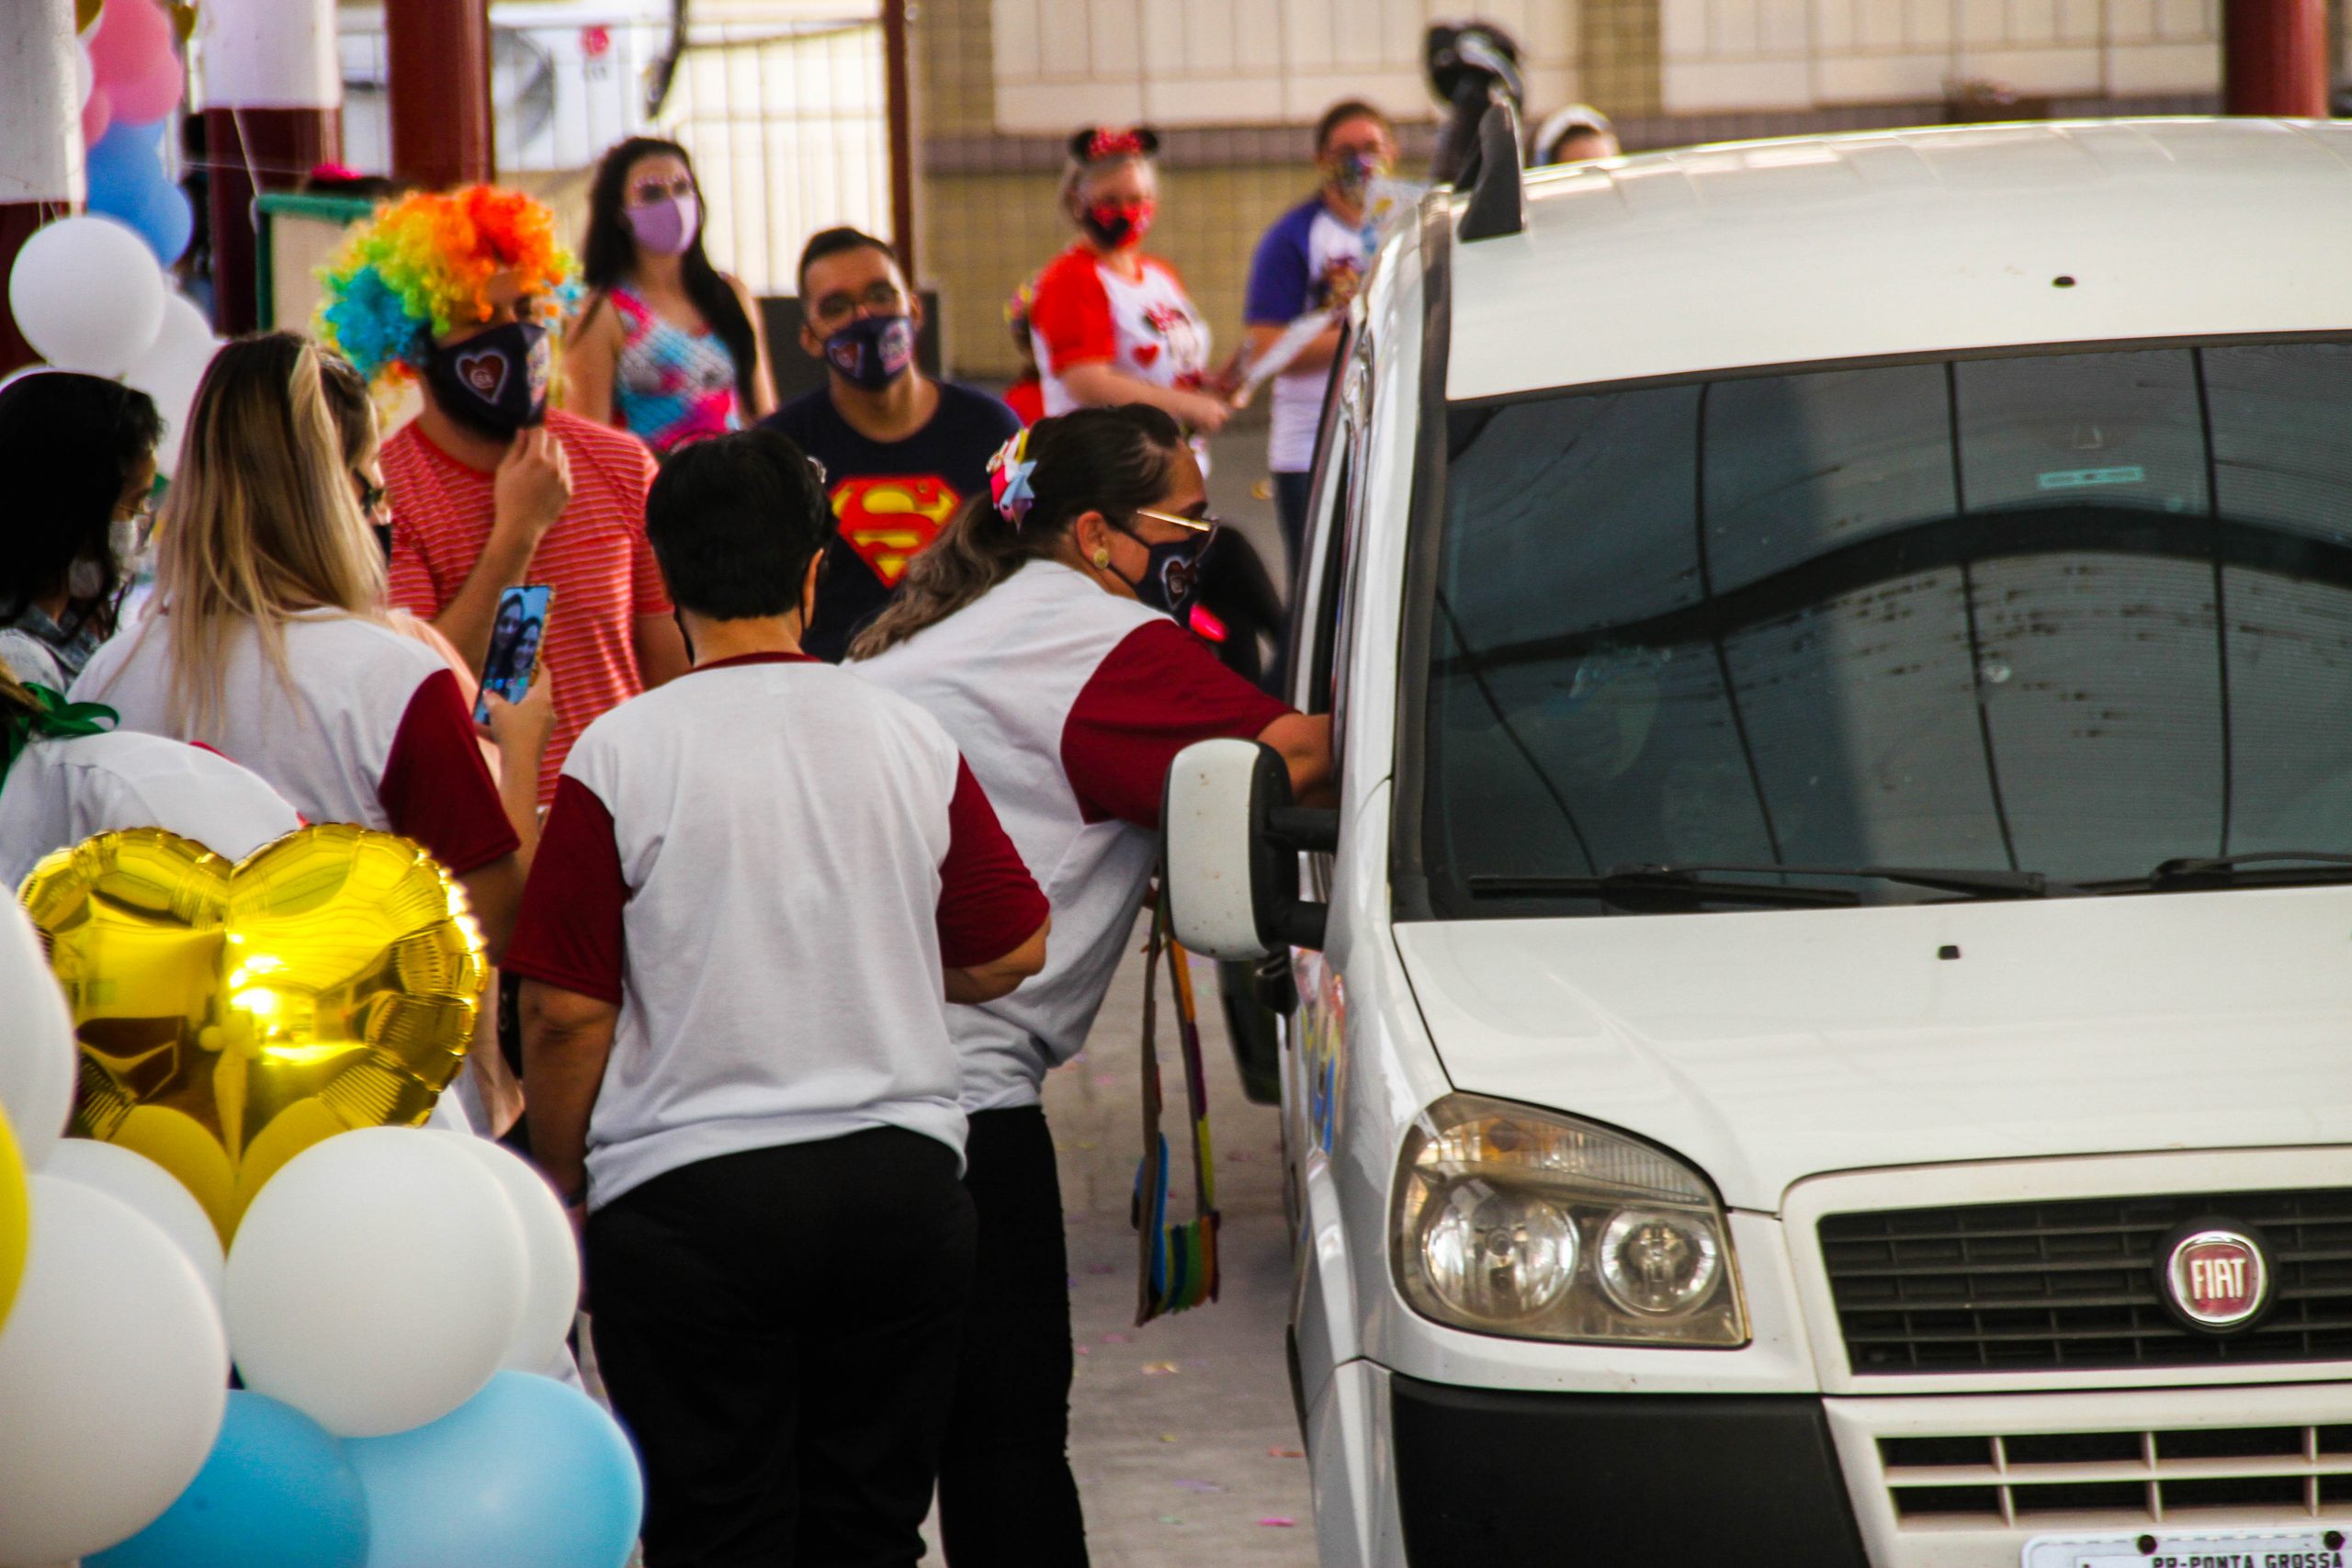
<point x="1111" y="460"/>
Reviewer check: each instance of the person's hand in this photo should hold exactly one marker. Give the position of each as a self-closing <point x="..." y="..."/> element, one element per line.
<point x="1206" y="414"/>
<point x="521" y="729"/>
<point x="533" y="484"/>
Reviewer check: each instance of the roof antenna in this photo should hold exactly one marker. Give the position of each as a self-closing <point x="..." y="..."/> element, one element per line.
<point x="1474" y="69"/>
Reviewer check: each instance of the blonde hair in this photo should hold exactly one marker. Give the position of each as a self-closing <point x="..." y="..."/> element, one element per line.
<point x="261" y="522"/>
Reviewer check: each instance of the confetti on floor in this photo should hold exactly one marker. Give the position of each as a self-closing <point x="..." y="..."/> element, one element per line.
<point x="1167" y="1437"/>
<point x="1198" y="1486"/>
<point x="1160" y="1369"/>
<point x="1115" y="1338"/>
<point x="1278" y="1521"/>
<point x="1284" y="1453"/>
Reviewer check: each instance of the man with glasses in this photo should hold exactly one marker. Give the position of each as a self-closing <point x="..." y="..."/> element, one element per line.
<point x="901" y="451"/>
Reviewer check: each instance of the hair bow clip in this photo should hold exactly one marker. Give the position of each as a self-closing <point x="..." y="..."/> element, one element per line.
<point x="1008" y="473"/>
<point x="1110" y="143"/>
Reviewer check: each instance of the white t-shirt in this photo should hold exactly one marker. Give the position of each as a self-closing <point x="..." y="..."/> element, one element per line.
<point x="63" y="789"/>
<point x="765" y="865"/>
<point x="1307" y="261"/>
<point x="1071" y="704"/>
<point x="373" y="730"/>
<point x="1084" y="312"/>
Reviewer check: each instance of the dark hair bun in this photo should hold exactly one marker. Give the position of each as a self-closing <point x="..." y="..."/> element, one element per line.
<point x="1097" y="142"/>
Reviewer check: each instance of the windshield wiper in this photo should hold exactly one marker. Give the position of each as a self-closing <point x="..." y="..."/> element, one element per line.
<point x="2255" y="867"/>
<point x="1683" y="885"/>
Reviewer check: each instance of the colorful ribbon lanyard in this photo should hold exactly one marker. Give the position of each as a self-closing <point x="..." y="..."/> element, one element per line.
<point x="56" y="717"/>
<point x="1177" y="1264"/>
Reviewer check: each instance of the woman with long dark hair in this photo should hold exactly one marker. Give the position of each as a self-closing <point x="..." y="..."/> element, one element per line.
<point x="1044" y="630"/>
<point x="668" y="347"/>
<point x="80" y="451"/>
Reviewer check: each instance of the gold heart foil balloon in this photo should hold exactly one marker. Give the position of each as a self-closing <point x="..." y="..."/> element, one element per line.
<point x="229" y="1018"/>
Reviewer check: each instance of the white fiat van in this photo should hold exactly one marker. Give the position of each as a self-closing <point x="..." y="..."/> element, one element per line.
<point x="1824" y="1021"/>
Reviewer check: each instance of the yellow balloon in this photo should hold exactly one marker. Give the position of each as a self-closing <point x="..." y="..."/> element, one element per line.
<point x="15" y="1217"/>
<point x="229" y="1018"/>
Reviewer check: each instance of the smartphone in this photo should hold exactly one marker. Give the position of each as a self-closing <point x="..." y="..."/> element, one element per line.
<point x="514" y="641"/>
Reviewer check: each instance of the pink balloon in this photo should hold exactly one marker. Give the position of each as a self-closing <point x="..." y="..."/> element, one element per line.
<point x="151" y="97"/>
<point x="97" y="113"/>
<point x="133" y="40"/>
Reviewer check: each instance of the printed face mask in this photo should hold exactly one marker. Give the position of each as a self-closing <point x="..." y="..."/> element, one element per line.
<point x="495" y="381"/>
<point x="1352" y="175"/>
<point x="1117" y="224"/>
<point x="1171" y="578"/>
<point x="872" y="351"/>
<point x="666" y="227"/>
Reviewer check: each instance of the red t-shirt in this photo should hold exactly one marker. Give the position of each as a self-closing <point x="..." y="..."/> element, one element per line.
<point x="596" y="557"/>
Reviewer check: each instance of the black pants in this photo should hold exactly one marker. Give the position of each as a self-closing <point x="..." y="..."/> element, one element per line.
<point x="1292" y="492"/>
<point x="1006" y="1495"/>
<point x="779" y="1329"/>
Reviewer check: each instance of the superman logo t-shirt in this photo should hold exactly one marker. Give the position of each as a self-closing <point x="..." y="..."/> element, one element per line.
<point x="891" y="499"/>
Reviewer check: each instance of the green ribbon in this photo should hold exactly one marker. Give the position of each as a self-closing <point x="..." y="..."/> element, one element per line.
<point x="53" y="717"/>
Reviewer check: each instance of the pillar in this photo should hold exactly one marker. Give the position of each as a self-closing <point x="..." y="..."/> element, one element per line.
<point x="273" y="110"/>
<point x="2274" y="57"/>
<point x="40" y="139"/>
<point x="439" y="59"/>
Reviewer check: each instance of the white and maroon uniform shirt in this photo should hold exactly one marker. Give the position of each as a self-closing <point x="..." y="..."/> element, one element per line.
<point x="365" y="726"/>
<point x="1069" y="704"/>
<point x="63" y="789"/>
<point x="1084" y="312"/>
<point x="766" y="865"/>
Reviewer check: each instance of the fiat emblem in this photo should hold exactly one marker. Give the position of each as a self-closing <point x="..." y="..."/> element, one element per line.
<point x="2217" y="1276"/>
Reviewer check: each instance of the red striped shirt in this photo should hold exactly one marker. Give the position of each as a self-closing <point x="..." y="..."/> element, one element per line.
<point x="596" y="557"/>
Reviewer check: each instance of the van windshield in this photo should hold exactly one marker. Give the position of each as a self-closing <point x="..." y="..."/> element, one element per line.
<point x="2074" y="613"/>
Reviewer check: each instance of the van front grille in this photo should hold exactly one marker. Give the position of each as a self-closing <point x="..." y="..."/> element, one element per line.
<point x="2123" y="1478"/>
<point x="2062" y="1285"/>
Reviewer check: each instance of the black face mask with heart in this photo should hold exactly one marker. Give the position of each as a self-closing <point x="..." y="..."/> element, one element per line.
<point x="1171" y="578"/>
<point x="494" y="382"/>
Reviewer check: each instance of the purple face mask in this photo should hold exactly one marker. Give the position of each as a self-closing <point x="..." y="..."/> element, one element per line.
<point x="665" y="227"/>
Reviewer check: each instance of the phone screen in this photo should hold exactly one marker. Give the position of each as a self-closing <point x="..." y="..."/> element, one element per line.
<point x="514" y="641"/>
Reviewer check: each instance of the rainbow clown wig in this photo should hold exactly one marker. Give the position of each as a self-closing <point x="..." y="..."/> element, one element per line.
<point x="421" y="269"/>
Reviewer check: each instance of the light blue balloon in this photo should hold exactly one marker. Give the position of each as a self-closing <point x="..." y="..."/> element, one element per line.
<point x="276" y="1491"/>
<point x="127" y="182"/>
<point x="528" y="1474"/>
<point x="121" y="165"/>
<point x="166" y="221"/>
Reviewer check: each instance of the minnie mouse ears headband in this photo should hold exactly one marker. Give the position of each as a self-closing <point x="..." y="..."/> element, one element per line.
<point x="1100" y="144"/>
<point x="1008" y="473"/>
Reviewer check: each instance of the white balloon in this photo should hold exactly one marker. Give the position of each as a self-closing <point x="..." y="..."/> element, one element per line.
<point x="172" y="369"/>
<point x="551" y="1291"/>
<point x="88" y="295"/>
<point x="375" y="1282"/>
<point x="153" y="1192"/>
<point x="38" y="1063"/>
<point x="114" y="1374"/>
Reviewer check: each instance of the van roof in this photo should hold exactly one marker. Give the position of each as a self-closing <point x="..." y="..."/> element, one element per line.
<point x="1908" y="242"/>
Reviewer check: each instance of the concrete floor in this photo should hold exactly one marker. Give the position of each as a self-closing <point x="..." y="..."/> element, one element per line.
<point x="1183" y="1434"/>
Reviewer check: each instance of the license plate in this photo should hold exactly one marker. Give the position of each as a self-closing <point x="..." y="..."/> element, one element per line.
<point x="2191" y="1549"/>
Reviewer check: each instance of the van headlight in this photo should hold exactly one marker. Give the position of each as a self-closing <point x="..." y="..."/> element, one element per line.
<point x="1535" y="1225"/>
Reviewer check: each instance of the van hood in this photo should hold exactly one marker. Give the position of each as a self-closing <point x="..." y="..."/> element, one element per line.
<point x="1768" y="1046"/>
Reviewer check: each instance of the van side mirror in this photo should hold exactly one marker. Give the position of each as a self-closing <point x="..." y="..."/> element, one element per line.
<point x="1233" y="840"/>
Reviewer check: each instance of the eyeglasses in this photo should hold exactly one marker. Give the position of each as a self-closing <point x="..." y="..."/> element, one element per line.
<point x="1195" y="524"/>
<point x="645" y="193"/>
<point x="881" y="297"/>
